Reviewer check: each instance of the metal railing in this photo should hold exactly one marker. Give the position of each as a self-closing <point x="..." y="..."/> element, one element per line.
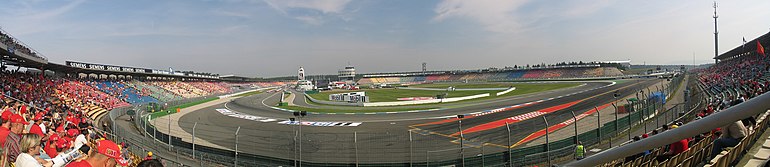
<point x="261" y="147"/>
<point x="752" y="107"/>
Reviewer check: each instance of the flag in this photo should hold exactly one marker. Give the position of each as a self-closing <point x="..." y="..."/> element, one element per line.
<point x="760" y="49"/>
<point x="743" y="47"/>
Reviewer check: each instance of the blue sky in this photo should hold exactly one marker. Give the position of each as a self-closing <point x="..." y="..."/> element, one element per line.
<point x="267" y="38"/>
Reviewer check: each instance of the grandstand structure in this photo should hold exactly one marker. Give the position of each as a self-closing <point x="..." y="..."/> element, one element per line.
<point x="558" y="72"/>
<point x="87" y="92"/>
<point x="732" y="90"/>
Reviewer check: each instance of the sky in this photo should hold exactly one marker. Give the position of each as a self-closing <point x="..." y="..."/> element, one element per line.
<point x="268" y="38"/>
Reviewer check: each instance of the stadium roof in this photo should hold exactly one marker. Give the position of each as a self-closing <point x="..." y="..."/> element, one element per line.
<point x="749" y="48"/>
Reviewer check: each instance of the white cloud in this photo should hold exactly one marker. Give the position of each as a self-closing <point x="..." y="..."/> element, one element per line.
<point x="494" y="15"/>
<point x="231" y="13"/>
<point x="324" y="7"/>
<point x="507" y="16"/>
<point x="310" y="20"/>
<point x="55" y="12"/>
<point x="28" y="20"/>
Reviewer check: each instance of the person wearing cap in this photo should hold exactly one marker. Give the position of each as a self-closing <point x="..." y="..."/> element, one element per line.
<point x="11" y="145"/>
<point x="30" y="144"/>
<point x="51" y="147"/>
<point x="107" y="154"/>
<point x="732" y="134"/>
<point x="35" y="128"/>
<point x="674" y="148"/>
<point x="6" y="127"/>
<point x="149" y="155"/>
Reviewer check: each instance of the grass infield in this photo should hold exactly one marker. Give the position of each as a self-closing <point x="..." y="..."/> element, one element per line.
<point x="391" y="94"/>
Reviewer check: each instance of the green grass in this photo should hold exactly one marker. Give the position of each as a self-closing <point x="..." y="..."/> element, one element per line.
<point x="391" y="94"/>
<point x="172" y="110"/>
<point x="361" y="110"/>
<point x="387" y="95"/>
<point x="465" y="86"/>
<point x="520" y="90"/>
<point x="249" y="94"/>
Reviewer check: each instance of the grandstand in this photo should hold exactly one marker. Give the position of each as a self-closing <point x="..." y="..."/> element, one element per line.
<point x="717" y="95"/>
<point x="741" y="76"/>
<point x="509" y="75"/>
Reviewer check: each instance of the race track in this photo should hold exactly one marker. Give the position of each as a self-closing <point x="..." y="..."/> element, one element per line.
<point x="400" y="137"/>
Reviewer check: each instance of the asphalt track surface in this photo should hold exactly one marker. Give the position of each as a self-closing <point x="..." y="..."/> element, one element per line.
<point x="401" y="137"/>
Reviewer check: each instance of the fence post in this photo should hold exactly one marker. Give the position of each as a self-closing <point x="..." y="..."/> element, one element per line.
<point x="411" y="149"/>
<point x="462" y="138"/>
<point x="169" y="132"/>
<point x="617" y="129"/>
<point x="236" y="146"/>
<point x="482" y="155"/>
<point x="155" y="131"/>
<point x="598" y="125"/>
<point x="574" y="119"/>
<point x="144" y="122"/>
<point x="355" y="145"/>
<point x="193" y="139"/>
<point x="547" y="143"/>
<point x="629" y="122"/>
<point x="294" y="141"/>
<point x="642" y="115"/>
<point x="510" y="159"/>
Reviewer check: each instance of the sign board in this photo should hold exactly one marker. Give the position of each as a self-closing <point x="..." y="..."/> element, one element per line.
<point x="352" y="97"/>
<point x="103" y="67"/>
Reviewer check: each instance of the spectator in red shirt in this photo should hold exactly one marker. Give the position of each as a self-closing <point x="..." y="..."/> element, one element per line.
<point x="107" y="154"/>
<point x="11" y="146"/>
<point x="149" y="156"/>
<point x="5" y="129"/>
<point x="51" y="147"/>
<point x="35" y="128"/>
<point x="674" y="148"/>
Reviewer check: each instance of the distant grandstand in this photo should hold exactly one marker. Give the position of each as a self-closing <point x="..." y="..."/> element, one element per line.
<point x="562" y="72"/>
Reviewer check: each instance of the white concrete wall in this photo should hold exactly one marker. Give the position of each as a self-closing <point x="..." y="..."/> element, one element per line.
<point x="506" y="91"/>
<point x="400" y="103"/>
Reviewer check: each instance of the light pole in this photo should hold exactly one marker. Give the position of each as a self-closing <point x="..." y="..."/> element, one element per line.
<point x="299" y="115"/>
<point x="462" y="148"/>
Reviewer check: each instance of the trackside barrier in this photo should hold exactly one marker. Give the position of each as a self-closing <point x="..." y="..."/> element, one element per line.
<point x="248" y="91"/>
<point x="398" y="103"/>
<point x="754" y="106"/>
<point x="408" y="148"/>
<point x="506" y="91"/>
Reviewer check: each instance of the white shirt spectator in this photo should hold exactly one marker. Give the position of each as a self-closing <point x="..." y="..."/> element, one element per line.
<point x="26" y="160"/>
<point x="80" y="140"/>
<point x="42" y="127"/>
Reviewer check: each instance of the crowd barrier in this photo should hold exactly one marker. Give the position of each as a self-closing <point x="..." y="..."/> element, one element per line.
<point x="408" y="148"/>
<point x="755" y="106"/>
